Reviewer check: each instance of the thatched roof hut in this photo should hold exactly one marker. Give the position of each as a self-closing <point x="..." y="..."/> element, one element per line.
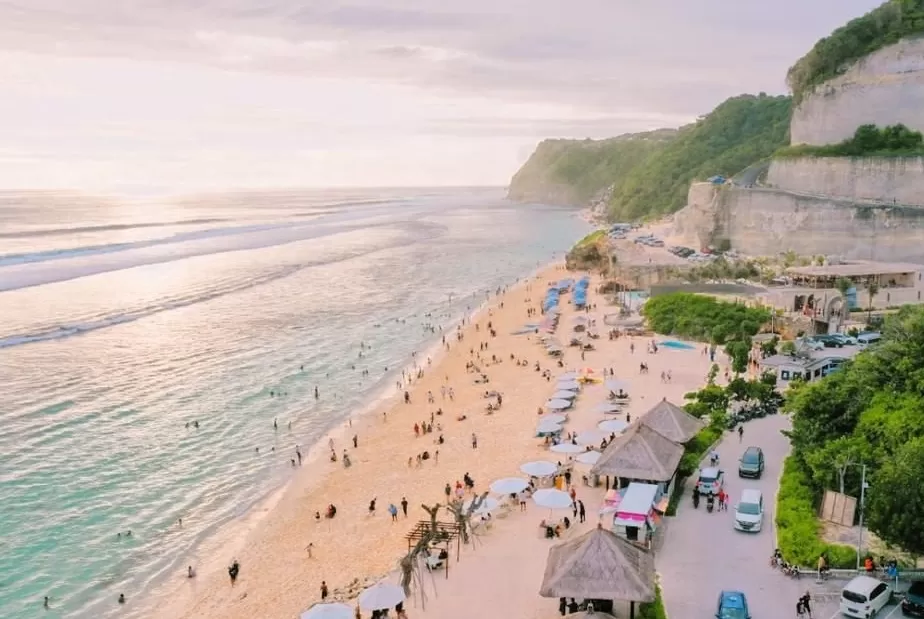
<point x="640" y="453"/>
<point x="599" y="565"/>
<point x="671" y="421"/>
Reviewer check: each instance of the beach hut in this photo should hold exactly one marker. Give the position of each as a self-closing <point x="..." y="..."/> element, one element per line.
<point x="671" y="421"/>
<point x="601" y="567"/>
<point x="640" y="454"/>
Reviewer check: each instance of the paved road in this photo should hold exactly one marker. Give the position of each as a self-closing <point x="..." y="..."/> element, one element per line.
<point x="703" y="554"/>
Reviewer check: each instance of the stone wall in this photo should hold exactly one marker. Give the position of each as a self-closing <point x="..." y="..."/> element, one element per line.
<point x="695" y="225"/>
<point x="885" y="88"/>
<point x="773" y="221"/>
<point x="869" y="179"/>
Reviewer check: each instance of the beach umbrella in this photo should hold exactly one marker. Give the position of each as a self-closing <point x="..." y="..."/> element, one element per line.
<point x="564" y="395"/>
<point x="553" y="348"/>
<point x="588" y="457"/>
<point x="608" y="407"/>
<point x="548" y="428"/>
<point x="568" y="376"/>
<point x="489" y="504"/>
<point x="567" y="385"/>
<point x="509" y="485"/>
<point x="614" y="384"/>
<point x="540" y="468"/>
<point x="613" y="425"/>
<point x="328" y="611"/>
<point x="553" y="418"/>
<point x="551" y="498"/>
<point x="568" y="448"/>
<point x="380" y="596"/>
<point x="558" y="405"/>
<point x="589" y="437"/>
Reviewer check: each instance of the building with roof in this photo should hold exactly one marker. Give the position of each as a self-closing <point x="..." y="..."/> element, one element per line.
<point x="807" y="366"/>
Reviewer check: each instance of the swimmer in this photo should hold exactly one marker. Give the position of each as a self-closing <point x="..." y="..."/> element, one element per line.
<point x="190" y="572"/>
<point x="121" y="598"/>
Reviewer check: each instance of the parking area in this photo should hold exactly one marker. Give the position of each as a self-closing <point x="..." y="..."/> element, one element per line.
<point x="826" y="597"/>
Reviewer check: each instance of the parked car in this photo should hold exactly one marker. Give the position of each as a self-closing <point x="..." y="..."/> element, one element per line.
<point x="865" y="339"/>
<point x="829" y="341"/>
<point x="751" y="463"/>
<point x="710" y="481"/>
<point x="864" y="596"/>
<point x="913" y="602"/>
<point x="846" y="340"/>
<point x="732" y="605"/>
<point x="749" y="511"/>
<point x="809" y="344"/>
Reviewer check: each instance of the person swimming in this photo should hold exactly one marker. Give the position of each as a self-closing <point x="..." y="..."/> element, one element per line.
<point x="121" y="598"/>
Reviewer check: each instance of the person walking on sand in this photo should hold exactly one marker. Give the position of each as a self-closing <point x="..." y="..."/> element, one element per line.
<point x="233" y="571"/>
<point x="355" y="441"/>
<point x="474" y="441"/>
<point x="404" y="506"/>
<point x="447" y="491"/>
<point x="582" y="513"/>
<point x="323" y="590"/>
<point x="393" y="511"/>
<point x="372" y="506"/>
<point x="740" y="432"/>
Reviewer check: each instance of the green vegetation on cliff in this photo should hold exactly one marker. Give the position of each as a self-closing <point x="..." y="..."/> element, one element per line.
<point x="572" y="172"/>
<point x="833" y="55"/>
<point x="649" y="174"/>
<point x="738" y="133"/>
<point x="867" y="141"/>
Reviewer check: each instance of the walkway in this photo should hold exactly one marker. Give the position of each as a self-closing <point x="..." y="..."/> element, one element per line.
<point x="703" y="553"/>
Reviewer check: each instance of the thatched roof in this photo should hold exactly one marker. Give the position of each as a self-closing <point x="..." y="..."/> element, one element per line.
<point x="640" y="453"/>
<point x="671" y="421"/>
<point x="599" y="565"/>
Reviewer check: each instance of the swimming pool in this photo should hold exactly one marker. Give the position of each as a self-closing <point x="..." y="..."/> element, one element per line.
<point x="676" y="344"/>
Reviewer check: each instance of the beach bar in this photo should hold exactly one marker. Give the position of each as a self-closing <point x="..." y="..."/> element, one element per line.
<point x="633" y="509"/>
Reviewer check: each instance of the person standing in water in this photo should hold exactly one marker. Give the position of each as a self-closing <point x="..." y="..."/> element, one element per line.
<point x="317" y="394"/>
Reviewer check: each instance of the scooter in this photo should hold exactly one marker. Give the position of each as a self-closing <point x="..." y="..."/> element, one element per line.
<point x="710" y="503"/>
<point x="696" y="500"/>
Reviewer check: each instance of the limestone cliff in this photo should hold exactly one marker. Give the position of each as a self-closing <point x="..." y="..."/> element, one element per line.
<point x="884" y="88"/>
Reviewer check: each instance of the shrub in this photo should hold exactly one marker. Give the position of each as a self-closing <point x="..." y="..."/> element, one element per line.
<point x="653" y="610"/>
<point x="797" y="528"/>
<point x="693" y="453"/>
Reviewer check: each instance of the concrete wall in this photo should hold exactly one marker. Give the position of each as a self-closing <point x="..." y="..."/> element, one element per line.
<point x="770" y="221"/>
<point x="885" y="88"/>
<point x="888" y="180"/>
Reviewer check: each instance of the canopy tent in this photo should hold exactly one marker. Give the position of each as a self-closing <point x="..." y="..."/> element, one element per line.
<point x="568" y="448"/>
<point x="380" y="596"/>
<point x="671" y="421"/>
<point x="600" y="566"/>
<point x="508" y="485"/>
<point x="613" y="425"/>
<point x="588" y="457"/>
<point x="328" y="611"/>
<point x="640" y="453"/>
<point x="539" y="468"/>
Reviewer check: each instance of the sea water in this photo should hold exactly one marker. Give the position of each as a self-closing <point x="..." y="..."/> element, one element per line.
<point x="123" y="321"/>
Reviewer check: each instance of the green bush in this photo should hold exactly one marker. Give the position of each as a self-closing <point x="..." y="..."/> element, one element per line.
<point x="867" y="141"/>
<point x="693" y="453"/>
<point x="653" y="610"/>
<point x="702" y="317"/>
<point x="797" y="527"/>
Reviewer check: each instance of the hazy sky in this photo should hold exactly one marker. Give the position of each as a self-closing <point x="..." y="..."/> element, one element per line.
<point x="184" y="95"/>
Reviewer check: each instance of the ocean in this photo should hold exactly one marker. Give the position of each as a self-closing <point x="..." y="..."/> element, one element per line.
<point x="124" y="322"/>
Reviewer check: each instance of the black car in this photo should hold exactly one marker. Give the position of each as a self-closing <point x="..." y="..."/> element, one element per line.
<point x="913" y="603"/>
<point x="751" y="463"/>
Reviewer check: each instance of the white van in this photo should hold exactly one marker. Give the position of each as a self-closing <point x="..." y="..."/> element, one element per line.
<point x="864" y="596"/>
<point x="865" y="339"/>
<point x="749" y="511"/>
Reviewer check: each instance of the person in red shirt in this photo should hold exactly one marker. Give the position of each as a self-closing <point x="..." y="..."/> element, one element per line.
<point x="721" y="497"/>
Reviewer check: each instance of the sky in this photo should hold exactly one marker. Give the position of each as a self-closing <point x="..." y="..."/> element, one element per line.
<point x="136" y="96"/>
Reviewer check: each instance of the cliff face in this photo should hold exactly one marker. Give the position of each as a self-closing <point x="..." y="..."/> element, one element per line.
<point x="884" y="88"/>
<point x="896" y="180"/>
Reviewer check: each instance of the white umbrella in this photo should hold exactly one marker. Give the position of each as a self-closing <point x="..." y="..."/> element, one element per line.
<point x="558" y="405"/>
<point x="564" y="395"/>
<point x="489" y="504"/>
<point x="588" y="457"/>
<point x="551" y="498"/>
<point x="553" y="418"/>
<point x="509" y="485"/>
<point x="568" y="385"/>
<point x="328" y="611"/>
<point x="568" y="448"/>
<point x="568" y="376"/>
<point x="553" y="348"/>
<point x="539" y="468"/>
<point x="614" y="384"/>
<point x="380" y="596"/>
<point x="548" y="427"/>
<point x="589" y="437"/>
<point x="608" y="407"/>
<point x="613" y="425"/>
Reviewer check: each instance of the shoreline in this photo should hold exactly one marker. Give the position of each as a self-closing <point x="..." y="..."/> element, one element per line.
<point x="174" y="595"/>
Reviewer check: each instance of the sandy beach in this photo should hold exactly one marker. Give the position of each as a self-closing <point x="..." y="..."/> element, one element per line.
<point x="278" y="578"/>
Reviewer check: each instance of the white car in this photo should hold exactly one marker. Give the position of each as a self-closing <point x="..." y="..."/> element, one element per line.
<point x="864" y="596"/>
<point x="749" y="511"/>
<point x="710" y="481"/>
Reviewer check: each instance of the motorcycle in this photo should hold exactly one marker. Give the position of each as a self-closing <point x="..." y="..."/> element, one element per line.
<point x="710" y="503"/>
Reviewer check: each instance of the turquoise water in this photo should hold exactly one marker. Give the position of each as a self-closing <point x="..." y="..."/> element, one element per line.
<point x="676" y="344"/>
<point x="124" y="321"/>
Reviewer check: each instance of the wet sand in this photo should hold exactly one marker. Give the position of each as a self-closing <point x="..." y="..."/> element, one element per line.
<point x="279" y="579"/>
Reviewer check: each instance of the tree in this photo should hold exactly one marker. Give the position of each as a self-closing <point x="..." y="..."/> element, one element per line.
<point x="873" y="289"/>
<point x="788" y="348"/>
<point x="769" y="348"/>
<point x="835" y="459"/>
<point x="738" y="350"/>
<point x="896" y="498"/>
<point x="843" y="286"/>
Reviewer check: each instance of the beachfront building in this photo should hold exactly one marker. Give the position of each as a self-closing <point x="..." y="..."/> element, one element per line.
<point x="671" y="421"/>
<point x="633" y="513"/>
<point x="640" y="454"/>
<point x="808" y="365"/>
